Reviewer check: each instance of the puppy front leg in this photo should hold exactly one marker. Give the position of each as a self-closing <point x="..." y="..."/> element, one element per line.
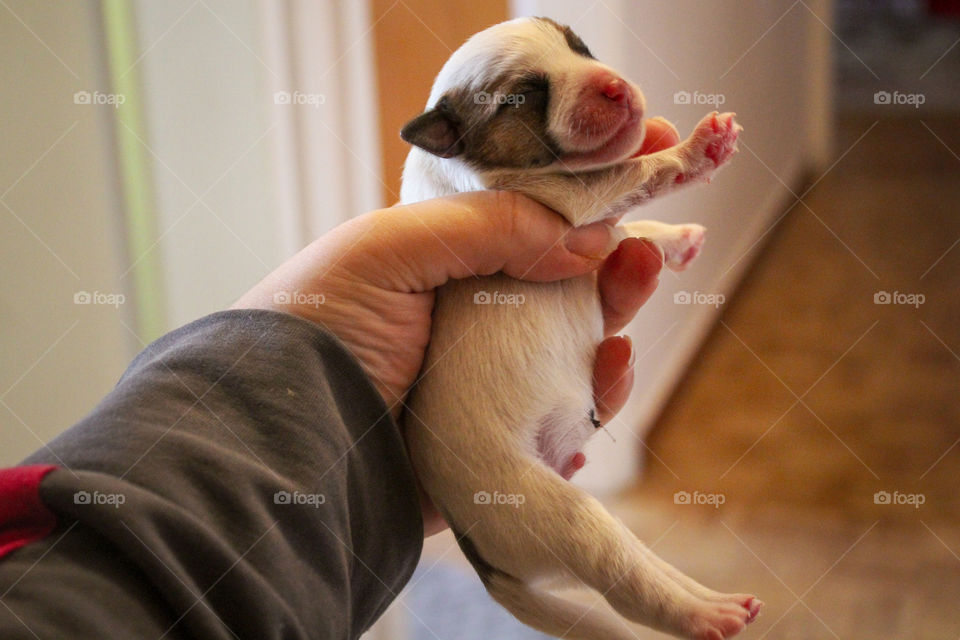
<point x="589" y="196"/>
<point x="710" y="146"/>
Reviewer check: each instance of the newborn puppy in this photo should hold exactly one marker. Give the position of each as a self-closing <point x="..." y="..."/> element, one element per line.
<point x="505" y="402"/>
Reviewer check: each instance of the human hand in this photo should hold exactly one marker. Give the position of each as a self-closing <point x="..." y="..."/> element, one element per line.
<point x="378" y="272"/>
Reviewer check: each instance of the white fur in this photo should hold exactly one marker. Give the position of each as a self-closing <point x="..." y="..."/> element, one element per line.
<point x="506" y="396"/>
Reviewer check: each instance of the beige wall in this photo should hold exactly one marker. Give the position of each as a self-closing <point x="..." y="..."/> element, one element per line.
<point x="63" y="234"/>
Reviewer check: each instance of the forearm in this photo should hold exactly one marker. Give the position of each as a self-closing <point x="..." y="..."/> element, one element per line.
<point x="243" y="478"/>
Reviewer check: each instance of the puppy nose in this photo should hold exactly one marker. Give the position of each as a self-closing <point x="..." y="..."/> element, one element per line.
<point x="615" y="89"/>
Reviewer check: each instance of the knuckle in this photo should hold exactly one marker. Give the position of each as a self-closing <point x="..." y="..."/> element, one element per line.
<point x="513" y="224"/>
<point x="508" y="208"/>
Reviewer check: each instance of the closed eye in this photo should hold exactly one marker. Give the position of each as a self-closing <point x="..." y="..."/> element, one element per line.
<point x="528" y="92"/>
<point x="532" y="83"/>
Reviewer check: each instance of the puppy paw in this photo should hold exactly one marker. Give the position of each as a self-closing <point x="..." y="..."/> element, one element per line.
<point x="717" y="620"/>
<point x="680" y="243"/>
<point x="684" y="246"/>
<point x="722" y="132"/>
<point x="711" y="145"/>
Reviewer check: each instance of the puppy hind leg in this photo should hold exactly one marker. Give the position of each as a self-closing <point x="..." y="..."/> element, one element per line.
<point x="554" y="615"/>
<point x="680" y="243"/>
<point x="560" y="526"/>
<point x="540" y="609"/>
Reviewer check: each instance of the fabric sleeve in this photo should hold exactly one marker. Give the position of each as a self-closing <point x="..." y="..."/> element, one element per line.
<point x="243" y="480"/>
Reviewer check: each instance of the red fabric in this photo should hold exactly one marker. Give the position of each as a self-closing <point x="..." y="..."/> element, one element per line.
<point x="949" y="8"/>
<point x="23" y="516"/>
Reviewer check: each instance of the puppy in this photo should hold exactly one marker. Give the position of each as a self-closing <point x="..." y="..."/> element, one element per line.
<point x="505" y="403"/>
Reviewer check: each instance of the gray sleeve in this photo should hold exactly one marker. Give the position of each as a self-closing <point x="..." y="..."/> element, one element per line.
<point x="243" y="480"/>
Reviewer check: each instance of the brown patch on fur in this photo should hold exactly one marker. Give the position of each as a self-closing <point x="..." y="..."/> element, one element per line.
<point x="515" y="135"/>
<point x="576" y="45"/>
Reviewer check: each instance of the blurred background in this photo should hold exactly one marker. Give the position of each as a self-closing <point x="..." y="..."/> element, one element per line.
<point x="794" y="428"/>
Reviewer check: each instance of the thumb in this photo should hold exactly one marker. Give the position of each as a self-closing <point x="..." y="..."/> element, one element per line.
<point x="421" y="246"/>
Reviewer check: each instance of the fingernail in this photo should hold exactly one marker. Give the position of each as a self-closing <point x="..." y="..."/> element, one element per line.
<point x="633" y="354"/>
<point x="594" y="241"/>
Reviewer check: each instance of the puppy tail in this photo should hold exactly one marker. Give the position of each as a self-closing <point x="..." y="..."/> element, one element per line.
<point x="541" y="609"/>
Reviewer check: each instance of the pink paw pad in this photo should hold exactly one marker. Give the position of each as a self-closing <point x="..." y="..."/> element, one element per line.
<point x="724" y="141"/>
<point x="753" y="606"/>
<point x="685" y="247"/>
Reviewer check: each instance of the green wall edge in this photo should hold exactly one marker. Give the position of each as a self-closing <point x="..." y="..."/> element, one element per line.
<point x="135" y="169"/>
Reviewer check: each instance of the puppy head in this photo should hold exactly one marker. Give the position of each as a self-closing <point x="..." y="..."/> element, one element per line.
<point x="528" y="94"/>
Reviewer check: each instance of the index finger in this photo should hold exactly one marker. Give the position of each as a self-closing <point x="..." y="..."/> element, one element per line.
<point x="626" y="281"/>
<point x="420" y="246"/>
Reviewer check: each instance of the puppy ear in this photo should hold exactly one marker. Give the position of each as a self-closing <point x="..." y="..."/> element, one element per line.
<point x="436" y="131"/>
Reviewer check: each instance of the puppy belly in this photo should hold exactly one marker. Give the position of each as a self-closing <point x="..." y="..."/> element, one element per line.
<point x="509" y="369"/>
<point x="560" y="440"/>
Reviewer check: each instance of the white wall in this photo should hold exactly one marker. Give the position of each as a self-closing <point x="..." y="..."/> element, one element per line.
<point x="240" y="182"/>
<point x="757" y="56"/>
<point x="278" y="175"/>
<point x="207" y="117"/>
<point x="62" y="232"/>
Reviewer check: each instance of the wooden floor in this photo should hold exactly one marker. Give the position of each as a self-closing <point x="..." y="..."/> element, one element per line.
<point x="809" y="399"/>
